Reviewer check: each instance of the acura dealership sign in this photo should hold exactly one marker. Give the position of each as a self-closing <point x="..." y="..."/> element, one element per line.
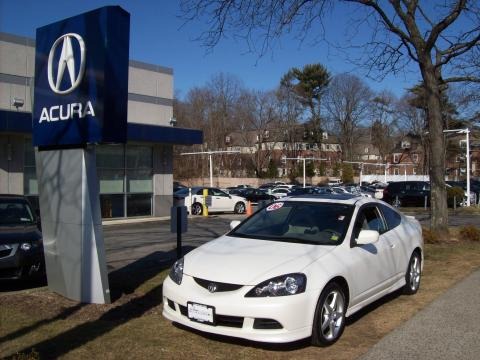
<point x="81" y="80"/>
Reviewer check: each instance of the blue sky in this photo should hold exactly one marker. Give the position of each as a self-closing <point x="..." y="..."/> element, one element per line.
<point x="158" y="37"/>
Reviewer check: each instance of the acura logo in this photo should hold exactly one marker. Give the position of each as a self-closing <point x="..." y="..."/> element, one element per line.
<point x="66" y="60"/>
<point x="212" y="287"/>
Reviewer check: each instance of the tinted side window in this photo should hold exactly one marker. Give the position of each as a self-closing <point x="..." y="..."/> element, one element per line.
<point x="369" y="218"/>
<point x="395" y="187"/>
<point x="392" y="218"/>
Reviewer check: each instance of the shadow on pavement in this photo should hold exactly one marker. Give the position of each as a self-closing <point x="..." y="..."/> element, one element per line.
<point x="127" y="279"/>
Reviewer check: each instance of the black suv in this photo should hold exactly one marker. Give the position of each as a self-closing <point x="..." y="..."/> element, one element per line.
<point x="407" y="193"/>
<point x="21" y="247"/>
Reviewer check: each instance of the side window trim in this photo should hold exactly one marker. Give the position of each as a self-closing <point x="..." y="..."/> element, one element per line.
<point x="360" y="213"/>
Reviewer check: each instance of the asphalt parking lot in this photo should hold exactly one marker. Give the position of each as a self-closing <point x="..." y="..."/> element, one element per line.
<point x="129" y="242"/>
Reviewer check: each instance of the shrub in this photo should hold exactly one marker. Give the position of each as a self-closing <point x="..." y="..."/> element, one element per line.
<point x="430" y="237"/>
<point x="470" y="233"/>
<point x="455" y="193"/>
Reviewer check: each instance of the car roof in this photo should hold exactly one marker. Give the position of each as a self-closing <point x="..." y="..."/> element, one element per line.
<point x="348" y="199"/>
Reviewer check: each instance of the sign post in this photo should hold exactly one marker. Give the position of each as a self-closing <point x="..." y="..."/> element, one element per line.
<point x="81" y="95"/>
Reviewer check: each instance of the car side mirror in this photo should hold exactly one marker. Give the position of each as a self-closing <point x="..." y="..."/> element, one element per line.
<point x="234" y="224"/>
<point x="367" y="237"/>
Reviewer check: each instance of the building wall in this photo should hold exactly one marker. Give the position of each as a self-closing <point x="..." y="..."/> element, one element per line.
<point x="150" y="101"/>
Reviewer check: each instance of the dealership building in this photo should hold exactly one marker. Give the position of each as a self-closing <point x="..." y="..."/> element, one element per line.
<point x="135" y="178"/>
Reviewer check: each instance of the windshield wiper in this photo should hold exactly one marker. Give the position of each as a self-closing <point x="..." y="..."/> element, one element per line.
<point x="300" y="241"/>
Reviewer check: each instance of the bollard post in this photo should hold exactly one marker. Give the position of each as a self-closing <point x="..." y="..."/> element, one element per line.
<point x="205" y="207"/>
<point x="178" y="224"/>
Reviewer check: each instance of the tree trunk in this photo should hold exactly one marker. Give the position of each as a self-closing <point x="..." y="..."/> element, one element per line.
<point x="438" y="191"/>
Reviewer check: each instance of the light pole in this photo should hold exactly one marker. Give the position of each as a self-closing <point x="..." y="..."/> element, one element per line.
<point x="304" y="159"/>
<point x="465" y="131"/>
<point x="210" y="162"/>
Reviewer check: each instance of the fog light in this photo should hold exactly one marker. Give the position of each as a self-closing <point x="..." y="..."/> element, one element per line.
<point x="25" y="246"/>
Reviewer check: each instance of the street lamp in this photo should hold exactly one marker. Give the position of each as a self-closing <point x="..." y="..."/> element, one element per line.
<point x="304" y="159"/>
<point x="465" y="131"/>
<point x="210" y="153"/>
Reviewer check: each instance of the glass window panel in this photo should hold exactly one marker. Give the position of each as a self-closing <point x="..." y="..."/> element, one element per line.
<point x="139" y="205"/>
<point x="112" y="206"/>
<point x="139" y="157"/>
<point x="111" y="180"/>
<point x="30" y="183"/>
<point x="139" y="181"/>
<point x="110" y="156"/>
<point x="35" y="203"/>
<point x="29" y="153"/>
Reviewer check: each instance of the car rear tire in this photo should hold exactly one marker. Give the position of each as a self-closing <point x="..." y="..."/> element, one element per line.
<point x="197" y="209"/>
<point x="413" y="274"/>
<point x="239" y="208"/>
<point x="329" y="321"/>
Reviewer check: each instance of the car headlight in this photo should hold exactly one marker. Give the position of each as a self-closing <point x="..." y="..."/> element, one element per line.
<point x="25" y="246"/>
<point x="289" y="284"/>
<point x="176" y="272"/>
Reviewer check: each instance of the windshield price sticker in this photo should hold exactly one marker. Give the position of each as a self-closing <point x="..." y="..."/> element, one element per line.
<point x="200" y="313"/>
<point x="275" y="206"/>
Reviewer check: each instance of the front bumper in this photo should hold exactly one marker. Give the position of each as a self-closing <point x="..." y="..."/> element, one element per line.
<point x="16" y="263"/>
<point x="268" y="319"/>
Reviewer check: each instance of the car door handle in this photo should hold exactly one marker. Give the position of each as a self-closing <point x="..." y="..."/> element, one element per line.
<point x="392" y="246"/>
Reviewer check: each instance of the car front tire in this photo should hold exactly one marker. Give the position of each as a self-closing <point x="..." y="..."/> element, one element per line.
<point x="413" y="274"/>
<point x="329" y="321"/>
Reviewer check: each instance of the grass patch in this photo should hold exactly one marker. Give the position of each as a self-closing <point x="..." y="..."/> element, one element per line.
<point x="41" y="324"/>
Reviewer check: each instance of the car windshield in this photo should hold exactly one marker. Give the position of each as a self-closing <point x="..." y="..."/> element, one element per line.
<point x="301" y="222"/>
<point x="14" y="212"/>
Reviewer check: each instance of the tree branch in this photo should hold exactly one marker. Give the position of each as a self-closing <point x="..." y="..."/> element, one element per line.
<point x="462" y="79"/>
<point x="443" y="24"/>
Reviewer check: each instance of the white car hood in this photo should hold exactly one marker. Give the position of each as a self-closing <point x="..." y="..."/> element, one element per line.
<point x="245" y="261"/>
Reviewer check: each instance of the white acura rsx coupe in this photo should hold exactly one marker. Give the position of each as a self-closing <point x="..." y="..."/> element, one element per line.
<point x="296" y="269"/>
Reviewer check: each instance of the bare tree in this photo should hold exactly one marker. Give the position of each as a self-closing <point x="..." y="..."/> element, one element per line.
<point x="290" y="113"/>
<point x="440" y="37"/>
<point x="347" y="103"/>
<point x="384" y="122"/>
<point x="259" y="130"/>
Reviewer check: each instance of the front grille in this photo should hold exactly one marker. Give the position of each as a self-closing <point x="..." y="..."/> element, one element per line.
<point x="11" y="273"/>
<point x="220" y="287"/>
<point x="265" y="324"/>
<point x="220" y="320"/>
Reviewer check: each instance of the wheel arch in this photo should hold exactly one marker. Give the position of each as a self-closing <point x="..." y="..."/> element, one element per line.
<point x="342" y="282"/>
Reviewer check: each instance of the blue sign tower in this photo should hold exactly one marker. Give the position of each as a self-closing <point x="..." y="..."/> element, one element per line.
<point x="81" y="96"/>
<point x="81" y="80"/>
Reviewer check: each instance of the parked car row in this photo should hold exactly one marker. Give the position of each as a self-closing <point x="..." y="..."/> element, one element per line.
<point x="236" y="199"/>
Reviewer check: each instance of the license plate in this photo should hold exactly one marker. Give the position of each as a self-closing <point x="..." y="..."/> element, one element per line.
<point x="201" y="313"/>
